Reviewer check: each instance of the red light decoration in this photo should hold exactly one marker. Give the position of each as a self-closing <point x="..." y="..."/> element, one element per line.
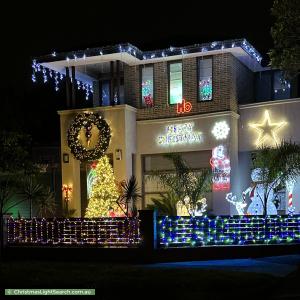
<point x="94" y="164"/>
<point x="148" y="100"/>
<point x="184" y="107"/>
<point x="220" y="165"/>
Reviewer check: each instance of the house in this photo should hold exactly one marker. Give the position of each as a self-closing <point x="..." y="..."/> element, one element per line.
<point x="213" y="103"/>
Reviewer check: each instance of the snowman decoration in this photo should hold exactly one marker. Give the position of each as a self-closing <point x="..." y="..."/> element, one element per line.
<point x="256" y="194"/>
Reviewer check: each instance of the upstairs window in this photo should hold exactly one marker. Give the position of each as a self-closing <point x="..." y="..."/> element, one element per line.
<point x="205" y="89"/>
<point x="147" y="86"/>
<point x="175" y="83"/>
<point x="105" y="93"/>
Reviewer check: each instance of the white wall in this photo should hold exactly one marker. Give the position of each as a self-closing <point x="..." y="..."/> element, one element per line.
<point x="147" y="137"/>
<point x="279" y="111"/>
<point x="121" y="120"/>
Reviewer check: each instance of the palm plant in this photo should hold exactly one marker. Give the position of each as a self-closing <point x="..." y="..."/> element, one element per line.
<point x="45" y="204"/>
<point x="7" y="190"/>
<point x="198" y="188"/>
<point x="277" y="165"/>
<point x="166" y="204"/>
<point x="30" y="190"/>
<point x="68" y="212"/>
<point x="184" y="181"/>
<point x="129" y="196"/>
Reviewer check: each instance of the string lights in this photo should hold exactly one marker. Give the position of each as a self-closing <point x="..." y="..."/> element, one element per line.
<point x="103" y="192"/>
<point x="58" y="78"/>
<point x="106" y="232"/>
<point x="223" y="230"/>
<point x="138" y="54"/>
<point x="87" y="121"/>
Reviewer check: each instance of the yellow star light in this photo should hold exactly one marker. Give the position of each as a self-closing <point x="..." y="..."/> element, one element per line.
<point x="267" y="130"/>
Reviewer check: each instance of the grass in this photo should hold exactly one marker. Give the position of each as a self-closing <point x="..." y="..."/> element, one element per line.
<point x="113" y="280"/>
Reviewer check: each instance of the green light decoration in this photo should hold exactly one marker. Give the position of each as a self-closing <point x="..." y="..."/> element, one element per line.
<point x="91" y="177"/>
<point x="147" y="92"/>
<point x="205" y="86"/>
<point x="228" y="230"/>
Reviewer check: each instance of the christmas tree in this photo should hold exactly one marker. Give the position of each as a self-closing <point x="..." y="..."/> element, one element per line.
<point x="104" y="192"/>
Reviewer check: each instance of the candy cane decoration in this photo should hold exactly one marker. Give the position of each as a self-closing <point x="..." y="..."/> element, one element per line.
<point x="290" y="187"/>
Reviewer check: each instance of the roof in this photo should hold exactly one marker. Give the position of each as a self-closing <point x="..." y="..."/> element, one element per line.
<point x="85" y="60"/>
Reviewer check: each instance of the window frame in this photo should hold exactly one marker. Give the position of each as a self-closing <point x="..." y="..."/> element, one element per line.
<point x="199" y="58"/>
<point x="169" y="80"/>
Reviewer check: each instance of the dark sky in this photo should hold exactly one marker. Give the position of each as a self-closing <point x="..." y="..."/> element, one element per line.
<point x="42" y="28"/>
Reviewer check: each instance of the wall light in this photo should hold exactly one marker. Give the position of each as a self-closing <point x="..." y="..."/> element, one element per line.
<point x="66" y="158"/>
<point x="118" y="154"/>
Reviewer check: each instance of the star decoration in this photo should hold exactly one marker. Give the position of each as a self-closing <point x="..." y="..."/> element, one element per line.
<point x="267" y="130"/>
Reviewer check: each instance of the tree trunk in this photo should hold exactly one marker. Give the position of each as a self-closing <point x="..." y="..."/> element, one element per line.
<point x="30" y="208"/>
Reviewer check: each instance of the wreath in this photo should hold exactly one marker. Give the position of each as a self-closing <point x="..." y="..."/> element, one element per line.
<point x="86" y="121"/>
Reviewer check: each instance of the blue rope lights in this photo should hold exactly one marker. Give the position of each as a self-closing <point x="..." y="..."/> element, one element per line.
<point x="225" y="230"/>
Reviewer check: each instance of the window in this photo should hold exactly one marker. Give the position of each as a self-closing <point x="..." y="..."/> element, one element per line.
<point x="175" y="83"/>
<point x="205" y="79"/>
<point x="147" y="86"/>
<point x="105" y="93"/>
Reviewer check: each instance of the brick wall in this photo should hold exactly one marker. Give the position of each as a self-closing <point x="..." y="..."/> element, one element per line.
<point x="231" y="81"/>
<point x="244" y="79"/>
<point x="131" y="85"/>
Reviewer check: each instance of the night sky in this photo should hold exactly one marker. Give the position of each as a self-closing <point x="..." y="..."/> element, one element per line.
<point x="40" y="29"/>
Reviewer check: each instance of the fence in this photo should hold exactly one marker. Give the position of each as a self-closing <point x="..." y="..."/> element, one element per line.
<point x="106" y="232"/>
<point x="149" y="231"/>
<point x="222" y="230"/>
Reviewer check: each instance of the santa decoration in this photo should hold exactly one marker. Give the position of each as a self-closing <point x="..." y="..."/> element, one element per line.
<point x="220" y="165"/>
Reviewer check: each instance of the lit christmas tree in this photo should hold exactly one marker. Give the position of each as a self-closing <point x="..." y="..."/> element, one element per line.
<point x="104" y="192"/>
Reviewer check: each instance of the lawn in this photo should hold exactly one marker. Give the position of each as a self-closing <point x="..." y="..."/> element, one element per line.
<point x="112" y="280"/>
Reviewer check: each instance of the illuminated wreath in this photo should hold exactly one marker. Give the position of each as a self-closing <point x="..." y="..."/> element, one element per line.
<point x="86" y="121"/>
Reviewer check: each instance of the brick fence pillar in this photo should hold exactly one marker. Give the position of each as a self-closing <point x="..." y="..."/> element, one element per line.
<point x="148" y="229"/>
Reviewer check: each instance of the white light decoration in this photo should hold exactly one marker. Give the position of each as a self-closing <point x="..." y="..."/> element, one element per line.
<point x="257" y="192"/>
<point x="180" y="134"/>
<point x="216" y="45"/>
<point x="45" y="75"/>
<point x="220" y="130"/>
<point x="239" y="204"/>
<point x="56" y="81"/>
<point x="184" y="207"/>
<point x="267" y="130"/>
